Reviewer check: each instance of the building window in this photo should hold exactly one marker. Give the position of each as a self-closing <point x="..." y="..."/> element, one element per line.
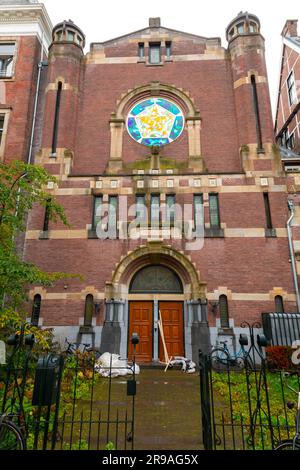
<point x="292" y="89"/>
<point x="256" y="111"/>
<point x="268" y="211"/>
<point x="56" y="118"/>
<point x="89" y="310"/>
<point x="112" y="216"/>
<point x="141" y="207"/>
<point x="97" y="216"/>
<point x="168" y="49"/>
<point x="240" y="28"/>
<point x="287" y="140"/>
<point x="198" y="213"/>
<point x="224" y="315"/>
<point x="171" y="209"/>
<point x="2" y="119"/>
<point x="36" y="310"/>
<point x="71" y="36"/>
<point x="47" y="216"/>
<point x="6" y="59"/>
<point x="155" y="210"/>
<point x="252" y="28"/>
<point x="279" y="304"/>
<point x="214" y="211"/>
<point x="154" y="53"/>
<point x="141" y="50"/>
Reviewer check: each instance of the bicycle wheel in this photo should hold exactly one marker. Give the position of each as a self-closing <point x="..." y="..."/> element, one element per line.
<point x="219" y="359"/>
<point x="288" y="445"/>
<point x="11" y="438"/>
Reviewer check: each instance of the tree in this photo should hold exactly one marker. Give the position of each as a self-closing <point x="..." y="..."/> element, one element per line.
<point x="21" y="187"/>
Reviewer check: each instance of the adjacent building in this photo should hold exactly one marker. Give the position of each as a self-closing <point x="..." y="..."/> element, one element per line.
<point x="25" y="35"/>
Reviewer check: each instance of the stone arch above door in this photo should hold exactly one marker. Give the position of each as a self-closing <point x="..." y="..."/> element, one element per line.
<point x="156" y="253"/>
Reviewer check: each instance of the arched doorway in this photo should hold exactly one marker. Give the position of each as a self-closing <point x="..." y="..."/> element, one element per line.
<point x="157" y="280"/>
<point x="151" y="279"/>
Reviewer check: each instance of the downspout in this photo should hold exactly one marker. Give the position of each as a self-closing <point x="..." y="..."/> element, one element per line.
<point x="40" y="67"/>
<point x="292" y="253"/>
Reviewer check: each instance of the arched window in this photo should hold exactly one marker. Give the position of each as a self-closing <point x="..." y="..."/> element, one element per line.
<point x="224" y="315"/>
<point x="279" y="304"/>
<point x="89" y="310"/>
<point x="156" y="279"/>
<point x="36" y="309"/>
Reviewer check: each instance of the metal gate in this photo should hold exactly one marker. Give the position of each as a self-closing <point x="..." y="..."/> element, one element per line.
<point x="247" y="409"/>
<point x="63" y="403"/>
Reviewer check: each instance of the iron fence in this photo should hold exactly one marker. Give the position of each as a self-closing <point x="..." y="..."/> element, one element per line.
<point x="247" y="408"/>
<point x="63" y="403"/>
<point x="281" y="329"/>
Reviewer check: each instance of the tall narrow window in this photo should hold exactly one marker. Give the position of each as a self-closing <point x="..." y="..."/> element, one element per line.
<point x="97" y="211"/>
<point x="292" y="89"/>
<point x="256" y="111"/>
<point x="36" y="310"/>
<point x="198" y="213"/>
<point x="56" y="118"/>
<point x="171" y="209"/>
<point x="224" y="315"/>
<point x="214" y="211"/>
<point x="279" y="304"/>
<point x="6" y="60"/>
<point x="112" y="216"/>
<point x="47" y="216"/>
<point x="89" y="310"/>
<point x="155" y="210"/>
<point x="168" y="49"/>
<point x="141" y="207"/>
<point x="154" y="53"/>
<point x="141" y="50"/>
<point x="268" y="211"/>
<point x="2" y="119"/>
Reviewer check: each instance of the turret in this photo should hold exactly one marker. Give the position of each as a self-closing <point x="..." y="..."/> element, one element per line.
<point x="65" y="58"/>
<point x="252" y="98"/>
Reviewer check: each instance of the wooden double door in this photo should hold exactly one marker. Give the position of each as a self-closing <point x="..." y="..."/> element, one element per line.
<point x="142" y="321"/>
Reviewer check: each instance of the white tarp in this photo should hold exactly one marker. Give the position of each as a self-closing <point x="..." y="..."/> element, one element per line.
<point x="113" y="365"/>
<point x="188" y="366"/>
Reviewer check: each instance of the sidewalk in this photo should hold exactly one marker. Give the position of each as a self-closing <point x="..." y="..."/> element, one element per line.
<point x="167" y="411"/>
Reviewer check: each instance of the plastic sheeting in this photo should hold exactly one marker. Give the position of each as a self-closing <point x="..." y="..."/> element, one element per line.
<point x="112" y="365"/>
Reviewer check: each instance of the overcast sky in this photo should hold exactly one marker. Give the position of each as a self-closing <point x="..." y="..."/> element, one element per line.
<point x="103" y="20"/>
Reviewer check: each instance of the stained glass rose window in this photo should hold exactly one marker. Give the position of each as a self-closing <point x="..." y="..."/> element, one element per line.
<point x="155" y="122"/>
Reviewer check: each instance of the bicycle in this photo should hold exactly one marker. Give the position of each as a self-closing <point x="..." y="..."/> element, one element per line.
<point x="221" y="358"/>
<point x="74" y="348"/>
<point x="292" y="444"/>
<point x="11" y="435"/>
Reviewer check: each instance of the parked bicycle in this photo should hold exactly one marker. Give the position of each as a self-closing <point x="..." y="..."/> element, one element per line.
<point x="74" y="348"/>
<point x="12" y="435"/>
<point x="222" y="359"/>
<point x="294" y="443"/>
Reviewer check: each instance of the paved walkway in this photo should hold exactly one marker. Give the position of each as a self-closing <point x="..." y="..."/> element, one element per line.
<point x="167" y="411"/>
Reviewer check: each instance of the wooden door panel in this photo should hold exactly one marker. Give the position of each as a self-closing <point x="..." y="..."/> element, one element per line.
<point x="141" y="322"/>
<point x="172" y="317"/>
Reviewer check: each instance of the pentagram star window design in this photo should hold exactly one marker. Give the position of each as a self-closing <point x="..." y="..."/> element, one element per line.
<point x="155" y="122"/>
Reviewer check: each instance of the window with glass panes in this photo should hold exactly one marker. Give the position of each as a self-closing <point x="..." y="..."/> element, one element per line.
<point x="98" y="200"/>
<point x="140" y="202"/>
<point x="292" y="88"/>
<point x="155" y="210"/>
<point x="171" y="210"/>
<point x="7" y="52"/>
<point x="112" y="213"/>
<point x="154" y="53"/>
<point x="214" y="212"/>
<point x="2" y="119"/>
<point x="224" y="314"/>
<point x="198" y="213"/>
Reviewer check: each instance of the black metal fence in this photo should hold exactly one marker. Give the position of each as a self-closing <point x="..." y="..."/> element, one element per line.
<point x="247" y="408"/>
<point x="63" y="403"/>
<point x="281" y="329"/>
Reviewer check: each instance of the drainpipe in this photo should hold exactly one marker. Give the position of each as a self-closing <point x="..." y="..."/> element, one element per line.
<point x="40" y="67"/>
<point x="292" y="254"/>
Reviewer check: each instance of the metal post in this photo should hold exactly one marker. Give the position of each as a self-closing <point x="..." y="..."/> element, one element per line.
<point x="204" y="364"/>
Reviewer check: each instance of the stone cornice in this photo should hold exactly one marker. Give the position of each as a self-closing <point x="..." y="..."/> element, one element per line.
<point x="24" y="14"/>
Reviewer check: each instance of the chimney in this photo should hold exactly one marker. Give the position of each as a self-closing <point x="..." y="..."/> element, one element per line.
<point x="290" y="29"/>
<point x="154" y="22"/>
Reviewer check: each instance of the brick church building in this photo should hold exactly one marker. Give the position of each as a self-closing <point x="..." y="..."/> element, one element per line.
<point x="163" y="146"/>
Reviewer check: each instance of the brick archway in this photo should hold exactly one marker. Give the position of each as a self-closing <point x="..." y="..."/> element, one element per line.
<point x="156" y="253"/>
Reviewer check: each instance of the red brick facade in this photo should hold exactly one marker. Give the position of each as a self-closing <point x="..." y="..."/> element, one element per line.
<point x="227" y="148"/>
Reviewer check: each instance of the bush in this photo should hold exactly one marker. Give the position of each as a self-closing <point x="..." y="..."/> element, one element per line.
<point x="279" y="357"/>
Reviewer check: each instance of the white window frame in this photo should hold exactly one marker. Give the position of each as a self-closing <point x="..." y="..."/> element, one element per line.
<point x="4" y="112"/>
<point x="12" y="65"/>
<point x="292" y="91"/>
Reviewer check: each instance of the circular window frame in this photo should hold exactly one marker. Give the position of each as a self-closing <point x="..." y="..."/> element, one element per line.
<point x="173" y="103"/>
